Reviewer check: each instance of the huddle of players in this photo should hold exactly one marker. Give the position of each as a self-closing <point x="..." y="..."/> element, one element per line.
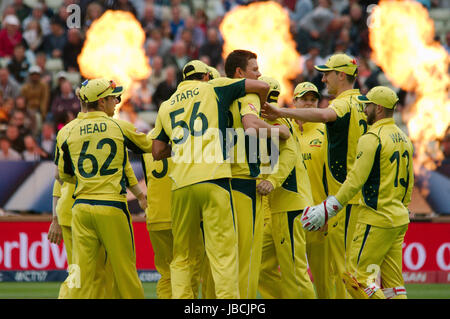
<point x="235" y="227"/>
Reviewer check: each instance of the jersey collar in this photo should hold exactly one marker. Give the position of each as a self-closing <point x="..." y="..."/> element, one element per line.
<point x="95" y="114"/>
<point x="386" y="121"/>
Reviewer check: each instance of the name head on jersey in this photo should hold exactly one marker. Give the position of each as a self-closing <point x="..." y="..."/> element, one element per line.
<point x="305" y="87"/>
<point x="380" y="95"/>
<point x="339" y="62"/>
<point x="194" y="67"/>
<point x="274" y="90"/>
<point x="95" y="89"/>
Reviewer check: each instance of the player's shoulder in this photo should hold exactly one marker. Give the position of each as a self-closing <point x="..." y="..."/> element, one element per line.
<point x="223" y="81"/>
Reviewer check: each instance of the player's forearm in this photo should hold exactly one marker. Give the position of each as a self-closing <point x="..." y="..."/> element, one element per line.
<point x="54" y="204"/>
<point x="259" y="87"/>
<point x="308" y="114"/>
<point x="137" y="191"/>
<point x="256" y="126"/>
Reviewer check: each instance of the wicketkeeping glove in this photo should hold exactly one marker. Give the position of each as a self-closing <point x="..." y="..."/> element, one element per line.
<point x="317" y="216"/>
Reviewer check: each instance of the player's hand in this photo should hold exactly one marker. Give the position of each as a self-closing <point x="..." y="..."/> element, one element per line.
<point x="270" y="112"/>
<point x="264" y="187"/>
<point x="55" y="232"/>
<point x="316" y="217"/>
<point x="142" y="200"/>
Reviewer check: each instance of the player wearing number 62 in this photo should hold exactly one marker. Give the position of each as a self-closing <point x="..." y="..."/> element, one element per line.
<point x="191" y="126"/>
<point x="94" y="157"/>
<point x="383" y="172"/>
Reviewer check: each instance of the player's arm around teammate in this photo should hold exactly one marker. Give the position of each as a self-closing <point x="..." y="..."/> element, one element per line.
<point x="383" y="171"/>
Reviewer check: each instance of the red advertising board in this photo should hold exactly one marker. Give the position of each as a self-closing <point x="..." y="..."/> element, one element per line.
<point x="24" y="247"/>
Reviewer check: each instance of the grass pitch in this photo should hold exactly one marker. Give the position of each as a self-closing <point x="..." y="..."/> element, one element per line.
<point x="49" y="290"/>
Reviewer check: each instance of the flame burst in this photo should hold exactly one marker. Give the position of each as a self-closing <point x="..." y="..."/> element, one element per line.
<point x="401" y="36"/>
<point x="114" y="49"/>
<point x="263" y="28"/>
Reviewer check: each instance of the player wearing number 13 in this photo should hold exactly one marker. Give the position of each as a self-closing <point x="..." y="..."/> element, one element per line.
<point x="94" y="156"/>
<point x="383" y="171"/>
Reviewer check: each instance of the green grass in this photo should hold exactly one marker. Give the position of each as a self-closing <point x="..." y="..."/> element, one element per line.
<point x="49" y="290"/>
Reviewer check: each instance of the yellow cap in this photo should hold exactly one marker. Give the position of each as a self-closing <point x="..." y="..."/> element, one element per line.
<point x="274" y="90"/>
<point x="213" y="73"/>
<point x="339" y="62"/>
<point x="304" y="87"/>
<point x="380" y="95"/>
<point x="193" y="67"/>
<point x="92" y="90"/>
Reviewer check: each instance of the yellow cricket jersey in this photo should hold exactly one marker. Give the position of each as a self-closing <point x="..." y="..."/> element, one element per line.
<point x="194" y="119"/>
<point x="159" y="191"/>
<point x="383" y="169"/>
<point x="342" y="136"/>
<point x="244" y="164"/>
<point x="313" y="147"/>
<point x="289" y="178"/>
<point x="94" y="156"/>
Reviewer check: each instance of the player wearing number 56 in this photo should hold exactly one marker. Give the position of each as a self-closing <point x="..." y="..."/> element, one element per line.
<point x="383" y="172"/>
<point x="191" y="127"/>
<point x="94" y="154"/>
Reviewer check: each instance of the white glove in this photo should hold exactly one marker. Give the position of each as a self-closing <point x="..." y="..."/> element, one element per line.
<point x="317" y="216"/>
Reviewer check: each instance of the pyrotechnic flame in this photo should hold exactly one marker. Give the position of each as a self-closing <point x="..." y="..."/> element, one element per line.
<point x="402" y="39"/>
<point x="114" y="49"/>
<point x="263" y="28"/>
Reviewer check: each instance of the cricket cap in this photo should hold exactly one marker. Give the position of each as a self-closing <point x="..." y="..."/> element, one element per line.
<point x="339" y="62"/>
<point x="274" y="90"/>
<point x="380" y="95"/>
<point x="193" y="67"/>
<point x="305" y="87"/>
<point x="213" y="73"/>
<point x="95" y="89"/>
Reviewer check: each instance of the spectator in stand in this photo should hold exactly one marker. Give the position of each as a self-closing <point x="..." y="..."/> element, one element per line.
<point x="55" y="42"/>
<point x="149" y="20"/>
<point x="447" y="42"/>
<point x="8" y="85"/>
<point x="93" y="11"/>
<point x="22" y="10"/>
<point x="36" y="93"/>
<point x="41" y="61"/>
<point x="314" y="26"/>
<point x="33" y="152"/>
<point x="191" y="48"/>
<point x="164" y="44"/>
<point x="201" y="20"/>
<point x="19" y="64"/>
<point x="15" y="139"/>
<point x="310" y="74"/>
<point x="6" y="107"/>
<point x="65" y="105"/>
<point x="167" y="87"/>
<point x="358" y="30"/>
<point x="20" y="120"/>
<point x="30" y="120"/>
<point x="444" y="166"/>
<point x="72" y="50"/>
<point x="7" y="153"/>
<point x="141" y="99"/>
<point x="10" y="36"/>
<point x="124" y="5"/>
<point x="33" y="36"/>
<point x="212" y="47"/>
<point x="152" y="51"/>
<point x="301" y="9"/>
<point x="47" y="140"/>
<point x="197" y="34"/>
<point x="178" y="58"/>
<point x="157" y="75"/>
<point x="177" y="22"/>
<point x="38" y="14"/>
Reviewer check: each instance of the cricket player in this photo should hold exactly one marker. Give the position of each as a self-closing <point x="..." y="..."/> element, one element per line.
<point x="244" y="118"/>
<point x="345" y="122"/>
<point x="289" y="191"/>
<point x="94" y="156"/>
<point x="60" y="228"/>
<point x="383" y="171"/>
<point x="191" y="127"/>
<point x="159" y="224"/>
<point x="313" y="148"/>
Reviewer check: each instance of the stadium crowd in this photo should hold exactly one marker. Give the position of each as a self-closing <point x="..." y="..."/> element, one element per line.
<point x="39" y="70"/>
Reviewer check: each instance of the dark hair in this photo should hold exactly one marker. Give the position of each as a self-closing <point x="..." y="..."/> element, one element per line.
<point x="237" y="59"/>
<point x="195" y="76"/>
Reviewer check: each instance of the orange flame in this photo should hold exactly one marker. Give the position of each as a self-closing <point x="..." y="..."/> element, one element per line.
<point x="263" y="28"/>
<point x="402" y="39"/>
<point x="114" y="49"/>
